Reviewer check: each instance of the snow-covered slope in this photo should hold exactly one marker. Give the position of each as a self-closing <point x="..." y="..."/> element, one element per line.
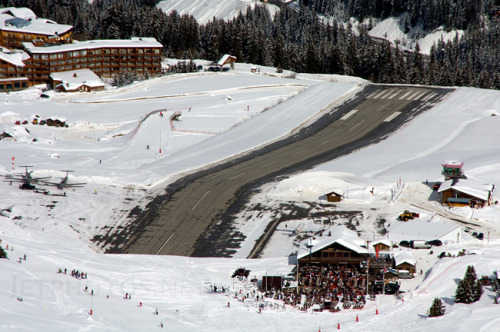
<point x="205" y="10"/>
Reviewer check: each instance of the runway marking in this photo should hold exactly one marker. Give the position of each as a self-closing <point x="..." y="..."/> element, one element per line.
<point x="417" y="97"/>
<point x="163" y="246"/>
<point x="392" y="116"/>
<point x="378" y="95"/>
<point x="394" y="94"/>
<point x="234" y="177"/>
<point x="272" y="162"/>
<point x="348" y="115"/>
<point x="357" y="125"/>
<point x="327" y="141"/>
<point x="384" y="94"/>
<point x="429" y="96"/>
<point x="372" y="95"/>
<point x="194" y="207"/>
<point x="413" y="95"/>
<point x="405" y="95"/>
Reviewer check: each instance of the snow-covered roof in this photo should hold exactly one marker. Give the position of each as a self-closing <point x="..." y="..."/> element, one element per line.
<point x="77" y="77"/>
<point x="387" y="242"/>
<point x="224" y="58"/>
<point x="468" y="187"/>
<point x="335" y="191"/>
<point x="92" y="44"/>
<point x="74" y="79"/>
<point x="21" y="12"/>
<point x="421" y="230"/>
<point x="15" y="57"/>
<point x="341" y="235"/>
<point x="24" y="20"/>
<point x="404" y="256"/>
<point x="453" y="164"/>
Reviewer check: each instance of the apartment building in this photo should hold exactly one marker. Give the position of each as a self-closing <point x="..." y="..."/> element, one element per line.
<point x="25" y="62"/>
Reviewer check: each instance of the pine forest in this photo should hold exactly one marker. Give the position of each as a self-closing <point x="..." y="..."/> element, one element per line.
<point x="297" y="40"/>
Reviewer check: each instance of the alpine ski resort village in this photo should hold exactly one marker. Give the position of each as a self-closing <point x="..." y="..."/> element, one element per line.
<point x="249" y="165"/>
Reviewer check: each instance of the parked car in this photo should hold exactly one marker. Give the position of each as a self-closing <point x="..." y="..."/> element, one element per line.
<point x="391" y="288"/>
<point x="436" y="243"/>
<point x="378" y="288"/>
<point x="419" y="244"/>
<point x="404" y="244"/>
<point x="478" y="236"/>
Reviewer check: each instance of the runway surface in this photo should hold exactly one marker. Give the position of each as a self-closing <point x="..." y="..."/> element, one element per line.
<point x="195" y="217"/>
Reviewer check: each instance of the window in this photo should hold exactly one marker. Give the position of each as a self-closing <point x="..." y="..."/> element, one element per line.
<point x="60" y="56"/>
<point x="45" y="56"/>
<point x="156" y="51"/>
<point x="53" y="56"/>
<point x="140" y="51"/>
<point x="17" y="85"/>
<point x="76" y="53"/>
<point x="83" y="52"/>
<point x="9" y="86"/>
<point x="36" y="56"/>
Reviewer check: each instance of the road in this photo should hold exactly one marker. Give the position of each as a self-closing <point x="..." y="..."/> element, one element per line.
<point x="195" y="217"/>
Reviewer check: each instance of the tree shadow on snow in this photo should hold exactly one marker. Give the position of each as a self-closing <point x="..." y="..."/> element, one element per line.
<point x="448" y="300"/>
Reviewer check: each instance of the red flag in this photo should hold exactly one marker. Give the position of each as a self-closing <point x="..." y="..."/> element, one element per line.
<point x="377" y="249"/>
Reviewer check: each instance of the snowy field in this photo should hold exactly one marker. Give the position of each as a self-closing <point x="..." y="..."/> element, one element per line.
<point x="220" y="115"/>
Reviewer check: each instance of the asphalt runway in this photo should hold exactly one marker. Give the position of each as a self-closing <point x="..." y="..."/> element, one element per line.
<point x="194" y="217"/>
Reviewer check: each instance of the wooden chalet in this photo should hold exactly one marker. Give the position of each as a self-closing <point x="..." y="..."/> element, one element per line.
<point x="82" y="80"/>
<point x="404" y="260"/>
<point x="227" y="60"/>
<point x="342" y="248"/>
<point x="334" y="195"/>
<point x="456" y="190"/>
<point x="462" y="192"/>
<point x="383" y="245"/>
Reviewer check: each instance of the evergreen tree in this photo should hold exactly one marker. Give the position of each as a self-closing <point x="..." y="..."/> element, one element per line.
<point x="3" y="254"/>
<point x="470" y="275"/>
<point x="463" y="293"/>
<point x="437" y="308"/>
<point x="477" y="291"/>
